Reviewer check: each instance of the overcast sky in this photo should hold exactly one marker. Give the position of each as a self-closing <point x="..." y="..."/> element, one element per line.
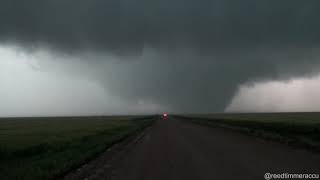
<point x="80" y="57"/>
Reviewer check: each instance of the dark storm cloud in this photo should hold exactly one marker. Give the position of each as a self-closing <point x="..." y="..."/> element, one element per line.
<point x="201" y="50"/>
<point x="124" y="25"/>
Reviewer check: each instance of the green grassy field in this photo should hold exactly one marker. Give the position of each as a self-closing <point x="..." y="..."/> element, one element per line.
<point x="43" y="148"/>
<point x="301" y="129"/>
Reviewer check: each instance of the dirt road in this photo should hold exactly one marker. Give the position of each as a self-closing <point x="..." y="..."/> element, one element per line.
<point x="174" y="149"/>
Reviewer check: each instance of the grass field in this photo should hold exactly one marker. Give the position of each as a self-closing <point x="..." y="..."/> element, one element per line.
<point x="44" y="148"/>
<point x="301" y="129"/>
